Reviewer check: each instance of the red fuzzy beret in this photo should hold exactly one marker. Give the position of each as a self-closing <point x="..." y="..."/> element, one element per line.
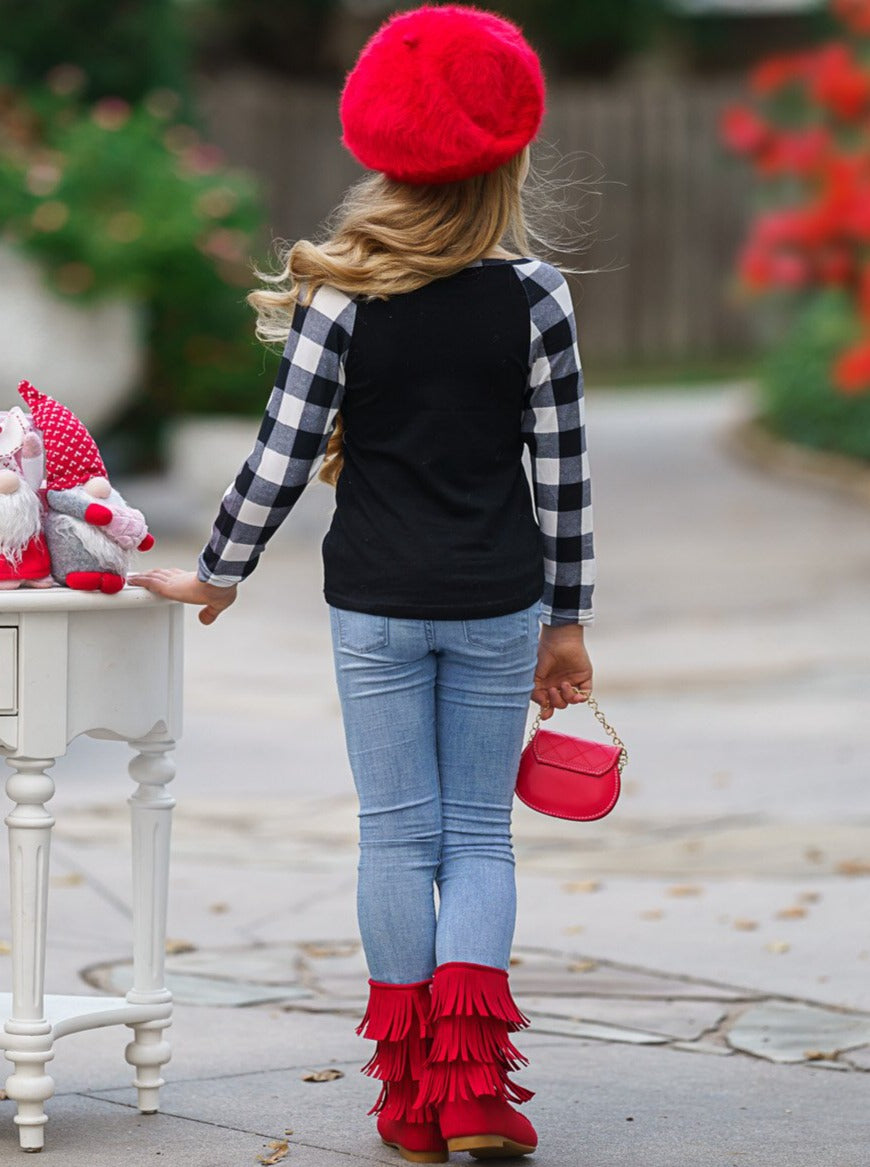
<point x="442" y="93"/>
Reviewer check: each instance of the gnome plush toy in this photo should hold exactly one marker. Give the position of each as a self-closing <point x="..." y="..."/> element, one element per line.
<point x="23" y="552"/>
<point x="90" y="530"/>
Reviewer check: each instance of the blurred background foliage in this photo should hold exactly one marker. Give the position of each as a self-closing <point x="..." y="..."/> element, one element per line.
<point x="797" y="400"/>
<point x="107" y="181"/>
<point x="803" y="129"/>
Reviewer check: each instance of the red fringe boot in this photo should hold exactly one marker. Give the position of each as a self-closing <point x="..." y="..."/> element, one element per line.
<point x="397" y="1018"/>
<point x="466" y="1072"/>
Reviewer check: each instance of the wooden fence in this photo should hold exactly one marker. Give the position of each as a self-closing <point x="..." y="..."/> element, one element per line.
<point x="671" y="210"/>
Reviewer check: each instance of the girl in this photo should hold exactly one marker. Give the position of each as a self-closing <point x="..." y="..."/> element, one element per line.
<point x="424" y="346"/>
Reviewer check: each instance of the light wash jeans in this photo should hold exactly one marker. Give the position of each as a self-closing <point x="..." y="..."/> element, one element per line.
<point x="434" y="714"/>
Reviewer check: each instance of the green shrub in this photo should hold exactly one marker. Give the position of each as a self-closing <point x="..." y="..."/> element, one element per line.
<point x="117" y="199"/>
<point x="797" y="397"/>
<point x="107" y="182"/>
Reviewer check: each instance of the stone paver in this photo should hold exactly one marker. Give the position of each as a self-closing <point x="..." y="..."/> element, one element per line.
<point x="783" y="1031"/>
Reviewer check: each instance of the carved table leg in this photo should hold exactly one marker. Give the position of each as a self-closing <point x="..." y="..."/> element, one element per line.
<point x="151" y="818"/>
<point x="28" y="1032"/>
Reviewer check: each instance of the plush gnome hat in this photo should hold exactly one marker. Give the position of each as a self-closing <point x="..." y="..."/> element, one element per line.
<point x="71" y="454"/>
<point x="442" y="93"/>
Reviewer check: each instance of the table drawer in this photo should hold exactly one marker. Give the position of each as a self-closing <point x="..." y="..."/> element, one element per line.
<point x="8" y="670"/>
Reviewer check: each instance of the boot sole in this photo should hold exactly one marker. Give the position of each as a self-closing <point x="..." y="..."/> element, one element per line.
<point x="488" y="1146"/>
<point x="418" y="1156"/>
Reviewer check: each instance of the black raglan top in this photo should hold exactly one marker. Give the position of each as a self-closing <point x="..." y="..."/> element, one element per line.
<point x="439" y="389"/>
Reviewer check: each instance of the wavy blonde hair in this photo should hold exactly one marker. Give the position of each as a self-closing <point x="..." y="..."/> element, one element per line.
<point x="387" y="237"/>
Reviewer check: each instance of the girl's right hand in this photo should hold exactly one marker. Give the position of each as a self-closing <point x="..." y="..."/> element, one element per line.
<point x="563" y="665"/>
<point x="185" y="586"/>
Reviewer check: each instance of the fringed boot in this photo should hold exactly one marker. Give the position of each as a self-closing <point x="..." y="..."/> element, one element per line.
<point x="466" y="1071"/>
<point x="397" y="1018"/>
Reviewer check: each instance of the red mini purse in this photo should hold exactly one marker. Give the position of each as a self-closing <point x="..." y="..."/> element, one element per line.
<point x="568" y="777"/>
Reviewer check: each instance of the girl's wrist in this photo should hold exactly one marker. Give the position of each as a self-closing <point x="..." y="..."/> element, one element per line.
<point x="571" y="631"/>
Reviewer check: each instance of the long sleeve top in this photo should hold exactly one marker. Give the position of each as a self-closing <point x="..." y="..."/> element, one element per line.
<point x="440" y="389"/>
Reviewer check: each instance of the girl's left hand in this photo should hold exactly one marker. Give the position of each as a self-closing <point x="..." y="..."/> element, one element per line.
<point x="185" y="586"/>
<point x="563" y="668"/>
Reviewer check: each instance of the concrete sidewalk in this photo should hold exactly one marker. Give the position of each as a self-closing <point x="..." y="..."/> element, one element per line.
<point x="696" y="966"/>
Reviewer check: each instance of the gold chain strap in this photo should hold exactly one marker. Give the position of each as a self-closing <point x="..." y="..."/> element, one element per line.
<point x="600" y="718"/>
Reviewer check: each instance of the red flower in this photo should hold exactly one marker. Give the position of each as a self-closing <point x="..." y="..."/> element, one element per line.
<point x="838" y="82"/>
<point x="760" y="268"/>
<point x="775" y="73"/>
<point x="742" y="130"/>
<point x="789" y="270"/>
<point x="851" y="370"/>
<point x="855" y="14"/>
<point x="856" y="215"/>
<point x="804" y="227"/>
<point x="801" y="152"/>
<point x="754" y="268"/>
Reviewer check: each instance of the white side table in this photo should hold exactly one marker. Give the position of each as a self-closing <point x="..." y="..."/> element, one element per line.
<point x="108" y="666"/>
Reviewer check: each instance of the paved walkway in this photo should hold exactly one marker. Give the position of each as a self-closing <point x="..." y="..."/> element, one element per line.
<point x="697" y="966"/>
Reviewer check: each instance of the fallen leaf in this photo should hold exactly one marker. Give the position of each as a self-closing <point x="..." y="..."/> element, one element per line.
<point x="853" y="867"/>
<point x="279" y="1148"/>
<point x="176" y="947"/>
<point x="685" y="889"/>
<point x="515" y="960"/>
<point x="71" y="879"/>
<point x="582" y="966"/>
<point x="795" y="913"/>
<point x="651" y="914"/>
<point x="572" y="929"/>
<point x="820" y="1055"/>
<point x="743" y="925"/>
<point x="582" y="885"/>
<point x="322" y="1075"/>
<point x="328" y="948"/>
<point x="5" y="947"/>
<point x="219" y="909"/>
<point x="778" y="946"/>
<point x="288" y="1131"/>
<point x="814" y="855"/>
<point x="809" y="897"/>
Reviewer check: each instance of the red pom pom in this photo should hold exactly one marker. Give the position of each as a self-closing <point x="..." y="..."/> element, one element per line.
<point x="98" y="515"/>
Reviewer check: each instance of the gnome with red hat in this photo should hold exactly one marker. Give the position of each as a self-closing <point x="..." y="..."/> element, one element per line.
<point x="24" y="557"/>
<point x="90" y="530"/>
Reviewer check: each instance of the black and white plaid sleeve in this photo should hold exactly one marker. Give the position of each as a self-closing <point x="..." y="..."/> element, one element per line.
<point x="291" y="441"/>
<point x="553" y="426"/>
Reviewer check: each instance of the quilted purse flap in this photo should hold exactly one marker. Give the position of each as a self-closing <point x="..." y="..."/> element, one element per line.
<point x="572" y="753"/>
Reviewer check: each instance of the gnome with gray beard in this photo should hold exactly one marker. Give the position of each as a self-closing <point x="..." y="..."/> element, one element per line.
<point x="90" y="531"/>
<point x="24" y="560"/>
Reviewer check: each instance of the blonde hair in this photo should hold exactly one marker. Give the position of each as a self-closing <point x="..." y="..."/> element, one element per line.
<point x="387" y="237"/>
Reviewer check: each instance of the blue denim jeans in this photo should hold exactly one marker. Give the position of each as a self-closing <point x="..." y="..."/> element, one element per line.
<point x="434" y="715"/>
